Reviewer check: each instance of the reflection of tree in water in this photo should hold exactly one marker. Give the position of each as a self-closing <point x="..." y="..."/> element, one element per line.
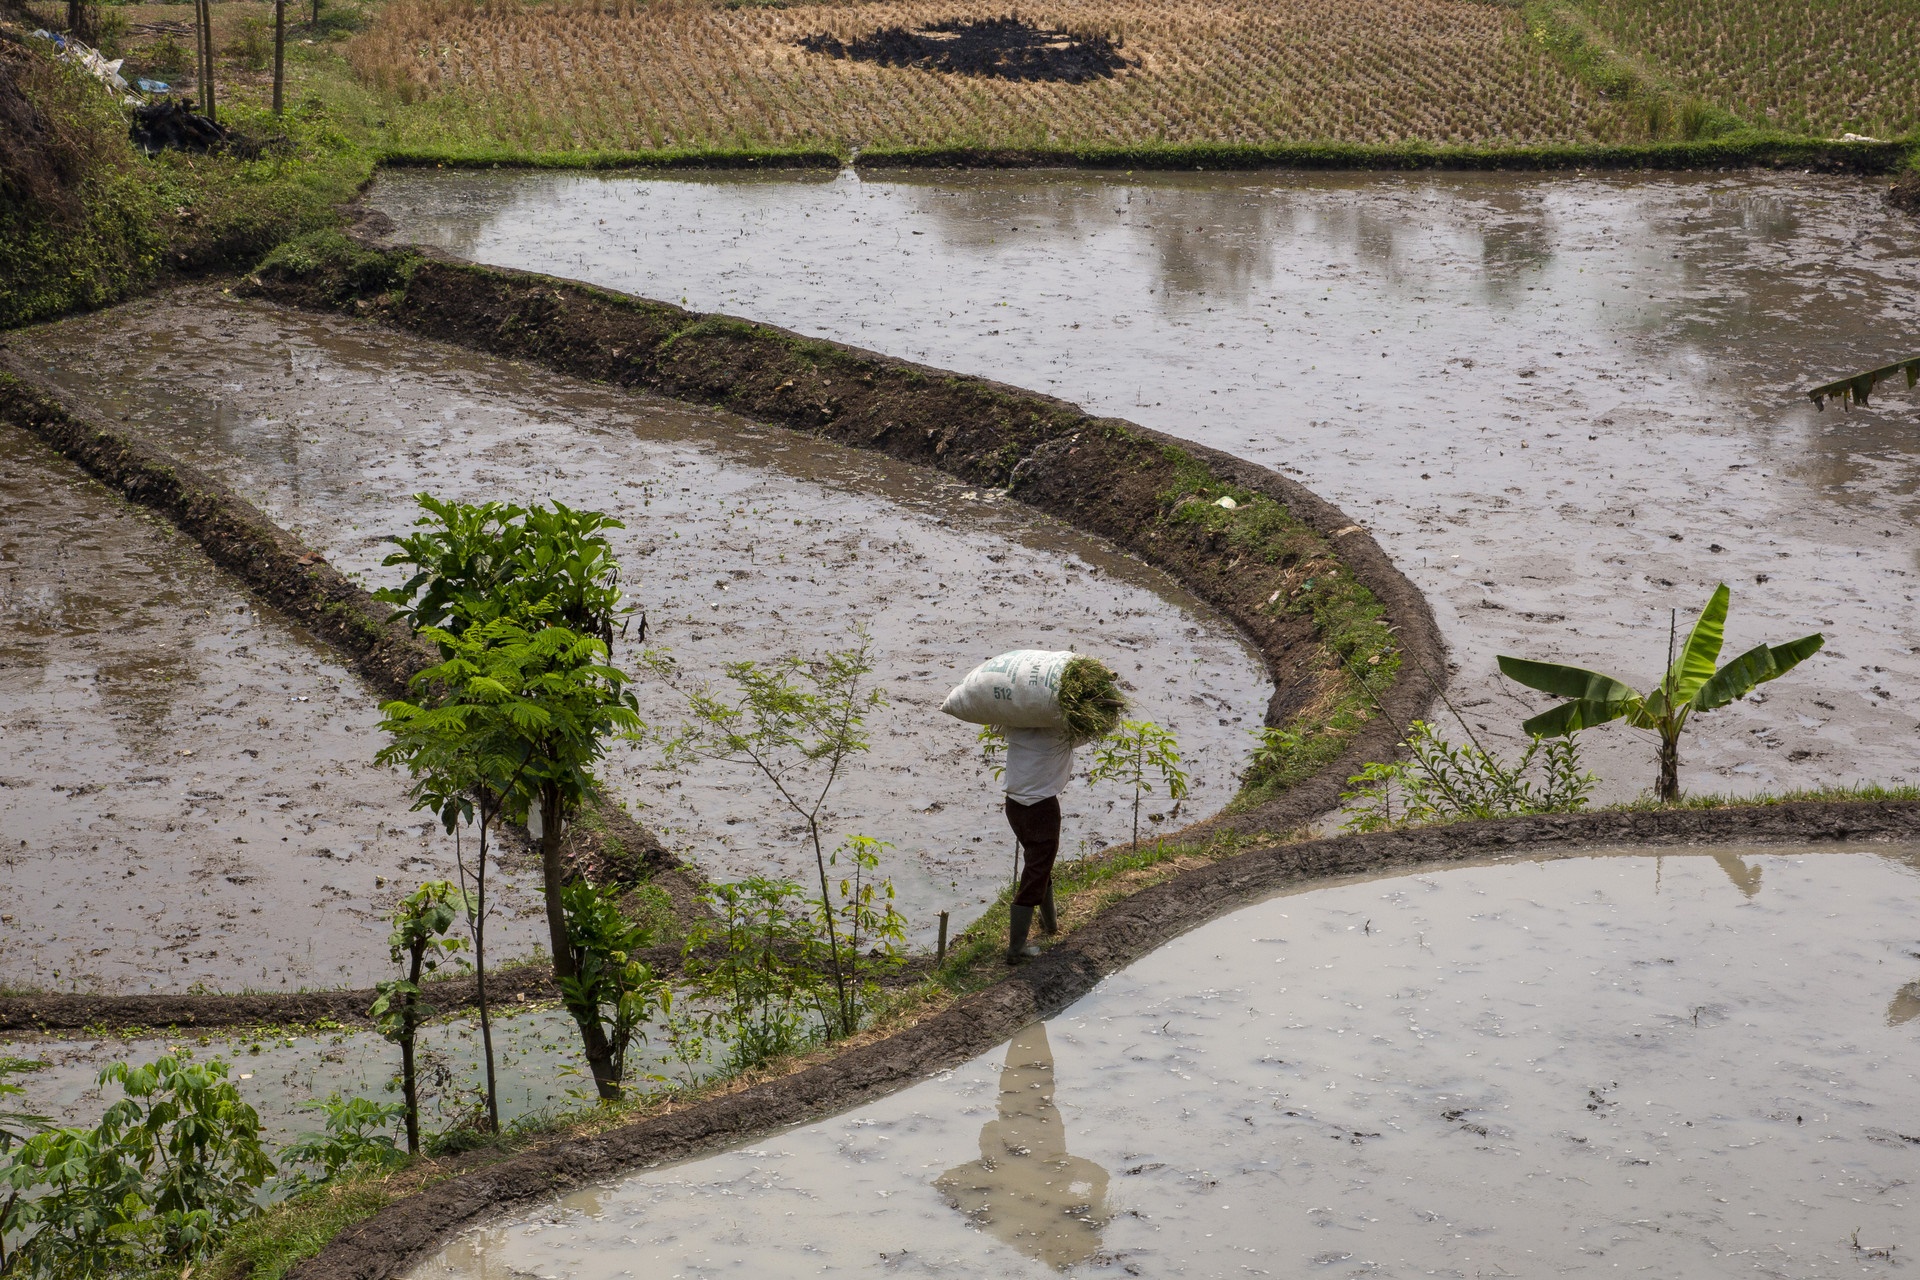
<point x="1025" y="1189"/>
<point x="1905" y="1006"/>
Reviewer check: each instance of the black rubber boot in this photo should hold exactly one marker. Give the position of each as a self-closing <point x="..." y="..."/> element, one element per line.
<point x="1019" y="923"/>
<point x="1049" y="921"/>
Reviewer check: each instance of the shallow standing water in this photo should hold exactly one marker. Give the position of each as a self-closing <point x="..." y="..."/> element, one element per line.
<point x="1564" y="404"/>
<point x="742" y="542"/>
<point x="1698" y="1064"/>
<point x="187" y="795"/>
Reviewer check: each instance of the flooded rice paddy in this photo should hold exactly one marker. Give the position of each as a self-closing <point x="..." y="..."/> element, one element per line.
<point x="186" y="790"/>
<point x="537" y="1061"/>
<point x="1565" y="404"/>
<point x="1698" y="1064"/>
<point x="742" y="542"/>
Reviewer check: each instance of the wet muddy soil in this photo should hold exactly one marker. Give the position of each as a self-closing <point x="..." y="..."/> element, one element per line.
<point x="743" y="541"/>
<point x="1696" y="1063"/>
<point x="1565" y="405"/>
<point x="186" y="789"/>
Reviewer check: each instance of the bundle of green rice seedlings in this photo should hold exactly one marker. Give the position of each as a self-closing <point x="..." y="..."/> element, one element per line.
<point x="1091" y="703"/>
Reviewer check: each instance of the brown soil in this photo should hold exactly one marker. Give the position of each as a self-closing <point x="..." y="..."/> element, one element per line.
<point x="387" y="1244"/>
<point x="1904" y="194"/>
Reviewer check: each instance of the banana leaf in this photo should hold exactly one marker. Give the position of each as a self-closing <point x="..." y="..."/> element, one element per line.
<point x="1855" y="388"/>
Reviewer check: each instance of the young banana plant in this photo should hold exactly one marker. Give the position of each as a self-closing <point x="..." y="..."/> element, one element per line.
<point x="1692" y="684"/>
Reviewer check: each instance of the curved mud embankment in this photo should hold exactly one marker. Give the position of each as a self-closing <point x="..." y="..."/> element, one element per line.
<point x="1106" y="476"/>
<point x="387" y="1244"/>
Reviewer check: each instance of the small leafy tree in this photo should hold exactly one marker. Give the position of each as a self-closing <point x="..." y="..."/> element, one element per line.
<point x="1135" y="754"/>
<point x="476" y="563"/>
<point x="1692" y="684"/>
<point x="15" y="1128"/>
<point x="608" y="976"/>
<point x="537" y="707"/>
<point x="355" y="1137"/>
<point x="874" y="930"/>
<point x="170" y="1167"/>
<point x="747" y="966"/>
<point x="458" y="744"/>
<point x="1441" y="782"/>
<point x="418" y="943"/>
<point x="797" y="722"/>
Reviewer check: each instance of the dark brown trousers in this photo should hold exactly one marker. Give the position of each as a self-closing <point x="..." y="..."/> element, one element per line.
<point x="1038" y="828"/>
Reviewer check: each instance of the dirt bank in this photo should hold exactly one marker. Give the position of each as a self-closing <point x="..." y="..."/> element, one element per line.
<point x="387" y="1244"/>
<point x="1151" y="494"/>
<point x="297" y="580"/>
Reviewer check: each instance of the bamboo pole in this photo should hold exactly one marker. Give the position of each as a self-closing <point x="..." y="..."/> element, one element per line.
<point x="279" y="54"/>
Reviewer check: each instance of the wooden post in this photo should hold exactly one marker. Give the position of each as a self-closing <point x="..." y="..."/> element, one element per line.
<point x="208" y="107"/>
<point x="279" y="54"/>
<point x="940" y="956"/>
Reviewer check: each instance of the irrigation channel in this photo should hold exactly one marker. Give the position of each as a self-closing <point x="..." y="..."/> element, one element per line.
<point x="1697" y="1063"/>
<point x="1564" y="405"/>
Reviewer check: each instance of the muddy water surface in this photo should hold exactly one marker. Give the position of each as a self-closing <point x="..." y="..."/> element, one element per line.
<point x="1566" y="405"/>
<point x="1698" y="1064"/>
<point x="186" y="788"/>
<point x="742" y="542"/>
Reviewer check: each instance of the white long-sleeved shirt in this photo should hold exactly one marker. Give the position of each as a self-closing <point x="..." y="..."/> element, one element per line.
<point x="1039" y="764"/>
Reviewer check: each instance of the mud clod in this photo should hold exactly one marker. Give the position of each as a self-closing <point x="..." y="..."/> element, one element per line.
<point x="1005" y="48"/>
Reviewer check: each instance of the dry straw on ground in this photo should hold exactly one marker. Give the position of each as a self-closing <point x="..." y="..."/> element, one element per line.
<point x="571" y="76"/>
<point x="1823" y="67"/>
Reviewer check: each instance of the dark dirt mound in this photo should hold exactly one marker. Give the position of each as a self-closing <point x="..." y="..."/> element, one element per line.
<point x="1007" y="48"/>
<point x="170" y="122"/>
<point x="1905" y="193"/>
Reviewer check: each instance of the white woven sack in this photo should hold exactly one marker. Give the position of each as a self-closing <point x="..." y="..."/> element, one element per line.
<point x="1018" y="690"/>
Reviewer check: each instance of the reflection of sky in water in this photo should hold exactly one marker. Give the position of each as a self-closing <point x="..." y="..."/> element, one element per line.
<point x="1565" y="405"/>
<point x="1683" y="1064"/>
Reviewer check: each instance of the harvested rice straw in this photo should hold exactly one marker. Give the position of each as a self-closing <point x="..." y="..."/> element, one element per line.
<point x="1091" y="703"/>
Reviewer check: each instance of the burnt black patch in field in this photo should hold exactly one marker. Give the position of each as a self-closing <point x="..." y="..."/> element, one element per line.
<point x="1006" y="48"/>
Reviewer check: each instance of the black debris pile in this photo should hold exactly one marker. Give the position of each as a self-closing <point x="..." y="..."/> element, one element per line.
<point x="170" y="122"/>
<point x="1006" y="48"/>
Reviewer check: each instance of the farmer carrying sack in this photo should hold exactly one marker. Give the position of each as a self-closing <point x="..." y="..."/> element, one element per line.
<point x="1018" y="690"/>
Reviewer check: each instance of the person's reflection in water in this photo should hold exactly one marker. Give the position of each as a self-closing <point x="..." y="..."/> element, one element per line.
<point x="1025" y="1189"/>
<point x="1745" y="878"/>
